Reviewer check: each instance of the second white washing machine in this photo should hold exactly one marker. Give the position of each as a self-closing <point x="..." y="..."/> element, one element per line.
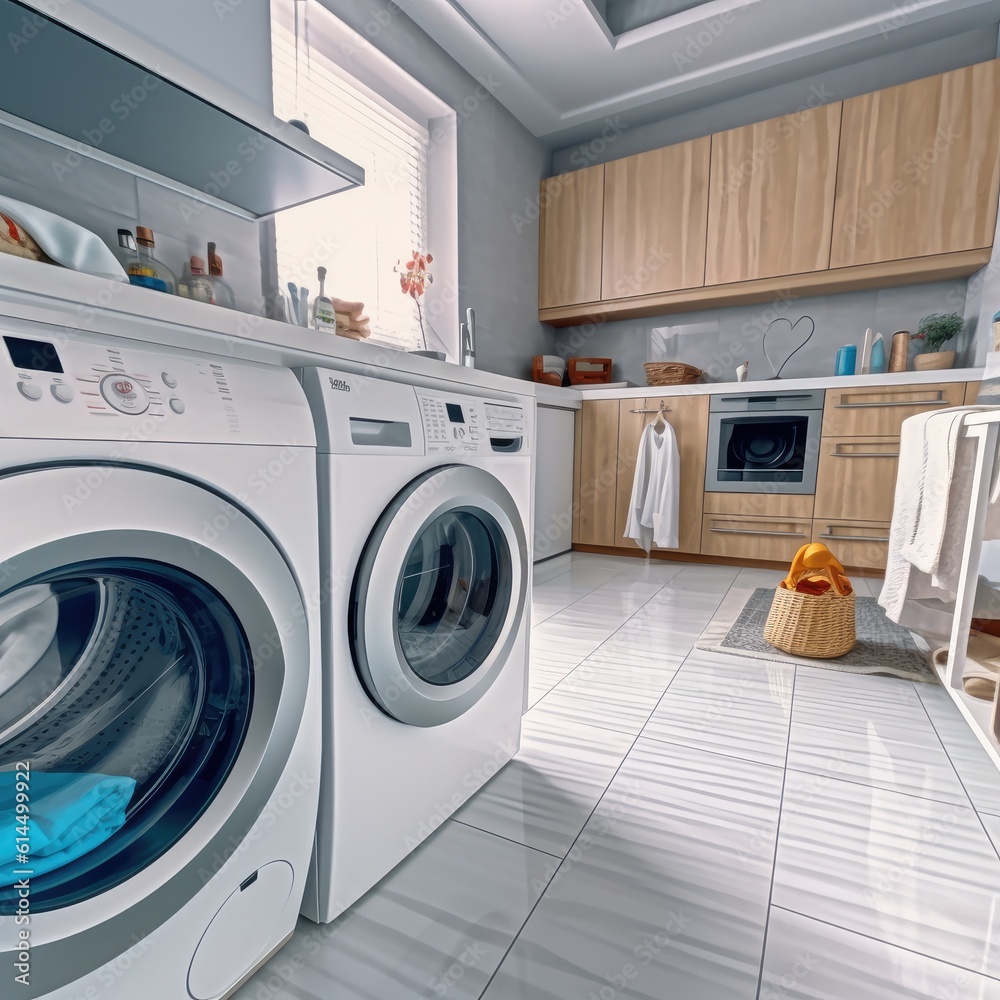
<point x="425" y="511"/>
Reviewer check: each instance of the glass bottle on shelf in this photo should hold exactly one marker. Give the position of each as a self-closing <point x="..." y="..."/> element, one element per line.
<point x="126" y="251"/>
<point x="223" y="292"/>
<point x="146" y="271"/>
<point x="195" y="284"/>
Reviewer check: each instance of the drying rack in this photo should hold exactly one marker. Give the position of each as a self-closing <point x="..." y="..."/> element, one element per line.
<point x="984" y="718"/>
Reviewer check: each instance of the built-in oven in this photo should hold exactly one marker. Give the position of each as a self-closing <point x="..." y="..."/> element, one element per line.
<point x="764" y="442"/>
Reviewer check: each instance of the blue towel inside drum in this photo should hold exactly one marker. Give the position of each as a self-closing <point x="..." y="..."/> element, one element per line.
<point x="68" y="815"/>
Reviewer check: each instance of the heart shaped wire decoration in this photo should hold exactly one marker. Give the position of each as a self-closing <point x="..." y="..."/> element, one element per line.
<point x="791" y="329"/>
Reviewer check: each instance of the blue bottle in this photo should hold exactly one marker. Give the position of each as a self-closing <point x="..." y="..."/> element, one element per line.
<point x="878" y="361"/>
<point x="847" y="359"/>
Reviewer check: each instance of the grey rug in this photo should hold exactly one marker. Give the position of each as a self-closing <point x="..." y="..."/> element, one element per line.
<point x="883" y="647"/>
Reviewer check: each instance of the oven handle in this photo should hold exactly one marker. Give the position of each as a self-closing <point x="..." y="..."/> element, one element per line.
<point x="756" y="531"/>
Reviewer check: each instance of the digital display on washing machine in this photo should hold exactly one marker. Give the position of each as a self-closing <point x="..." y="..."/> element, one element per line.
<point x="35" y="355"/>
<point x="455" y="414"/>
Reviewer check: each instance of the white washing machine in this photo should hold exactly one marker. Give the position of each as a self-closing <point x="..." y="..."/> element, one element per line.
<point x="425" y="501"/>
<point x="159" y="682"/>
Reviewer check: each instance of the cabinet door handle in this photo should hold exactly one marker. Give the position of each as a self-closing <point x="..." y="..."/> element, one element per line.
<point x="865" y="454"/>
<point x="854" y="538"/>
<point x="895" y="402"/>
<point x="749" y="531"/>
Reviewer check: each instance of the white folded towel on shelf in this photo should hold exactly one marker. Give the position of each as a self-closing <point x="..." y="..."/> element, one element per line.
<point x="931" y="512"/>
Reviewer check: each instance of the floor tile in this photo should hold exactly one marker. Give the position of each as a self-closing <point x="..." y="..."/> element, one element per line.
<point x="436" y="926"/>
<point x="899" y="765"/>
<point x="612" y="695"/>
<point x="975" y="767"/>
<point x="658" y="898"/>
<point x="855" y="703"/>
<point x="544" y="796"/>
<point x="992" y="825"/>
<point x="914" y="873"/>
<point x="729" y="705"/>
<point x="809" y="960"/>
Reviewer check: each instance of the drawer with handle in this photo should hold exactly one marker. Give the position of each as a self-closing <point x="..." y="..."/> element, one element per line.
<point x="881" y="410"/>
<point x="861" y="544"/>
<point x="857" y="478"/>
<point x="774" y="539"/>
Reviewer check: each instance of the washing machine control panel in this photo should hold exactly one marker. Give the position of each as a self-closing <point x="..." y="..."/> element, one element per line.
<point x="461" y="425"/>
<point x="83" y="385"/>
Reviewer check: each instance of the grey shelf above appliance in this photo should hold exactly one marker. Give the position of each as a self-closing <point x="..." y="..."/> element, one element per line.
<point x="82" y="81"/>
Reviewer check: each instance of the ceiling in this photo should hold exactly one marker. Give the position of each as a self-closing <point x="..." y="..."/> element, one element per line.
<point x="562" y="66"/>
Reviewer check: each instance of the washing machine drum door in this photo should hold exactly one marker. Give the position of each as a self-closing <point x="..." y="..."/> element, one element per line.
<point x="439" y="595"/>
<point x="146" y="712"/>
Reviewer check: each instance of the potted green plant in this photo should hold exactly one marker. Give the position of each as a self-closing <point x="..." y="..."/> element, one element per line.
<point x="935" y="331"/>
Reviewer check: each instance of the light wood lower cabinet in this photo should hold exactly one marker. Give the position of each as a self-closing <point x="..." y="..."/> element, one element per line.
<point x="760" y="504"/>
<point x="972" y="392"/>
<point x="688" y="416"/>
<point x="598" y="471"/>
<point x="859" y="544"/>
<point x="758" y="538"/>
<point x="881" y="410"/>
<point x="857" y="478"/>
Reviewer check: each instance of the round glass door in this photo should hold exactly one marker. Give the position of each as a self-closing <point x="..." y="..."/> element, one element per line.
<point x="453" y="597"/>
<point x="438" y="596"/>
<point x="125" y="691"/>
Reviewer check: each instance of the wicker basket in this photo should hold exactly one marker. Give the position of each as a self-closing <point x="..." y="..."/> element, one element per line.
<point x="809" y="625"/>
<point x="671" y="373"/>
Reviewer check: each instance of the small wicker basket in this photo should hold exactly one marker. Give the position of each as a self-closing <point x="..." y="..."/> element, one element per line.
<point x="819" y="626"/>
<point x="671" y="373"/>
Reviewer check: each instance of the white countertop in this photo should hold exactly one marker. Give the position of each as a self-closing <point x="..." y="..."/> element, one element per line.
<point x="74" y="301"/>
<point x="562" y="397"/>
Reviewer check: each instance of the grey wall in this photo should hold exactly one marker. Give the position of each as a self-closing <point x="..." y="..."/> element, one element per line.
<point x="500" y="165"/>
<point x="718" y="340"/>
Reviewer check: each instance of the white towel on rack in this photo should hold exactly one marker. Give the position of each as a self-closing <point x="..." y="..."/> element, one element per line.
<point x="655" y="505"/>
<point x="931" y="512"/>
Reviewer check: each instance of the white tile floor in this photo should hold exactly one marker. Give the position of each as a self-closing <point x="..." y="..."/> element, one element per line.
<point x="684" y="825"/>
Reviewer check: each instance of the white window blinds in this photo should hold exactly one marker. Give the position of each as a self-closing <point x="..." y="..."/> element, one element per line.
<point x="357" y="235"/>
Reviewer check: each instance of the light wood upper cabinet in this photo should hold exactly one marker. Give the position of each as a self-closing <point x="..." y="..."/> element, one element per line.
<point x="570" y="235"/>
<point x="919" y="168"/>
<point x="598" y="464"/>
<point x="771" y="202"/>
<point x="655" y="211"/>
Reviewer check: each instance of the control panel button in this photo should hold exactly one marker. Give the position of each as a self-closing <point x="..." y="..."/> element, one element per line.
<point x="124" y="394"/>
<point x="30" y="390"/>
<point x="63" y="392"/>
<point x="169" y="380"/>
<point x="177" y="405"/>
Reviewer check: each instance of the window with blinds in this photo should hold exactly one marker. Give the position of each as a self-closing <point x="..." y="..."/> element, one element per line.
<point x="358" y="235"/>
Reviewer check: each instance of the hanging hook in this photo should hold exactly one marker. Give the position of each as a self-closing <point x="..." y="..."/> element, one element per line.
<point x="661" y="417"/>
